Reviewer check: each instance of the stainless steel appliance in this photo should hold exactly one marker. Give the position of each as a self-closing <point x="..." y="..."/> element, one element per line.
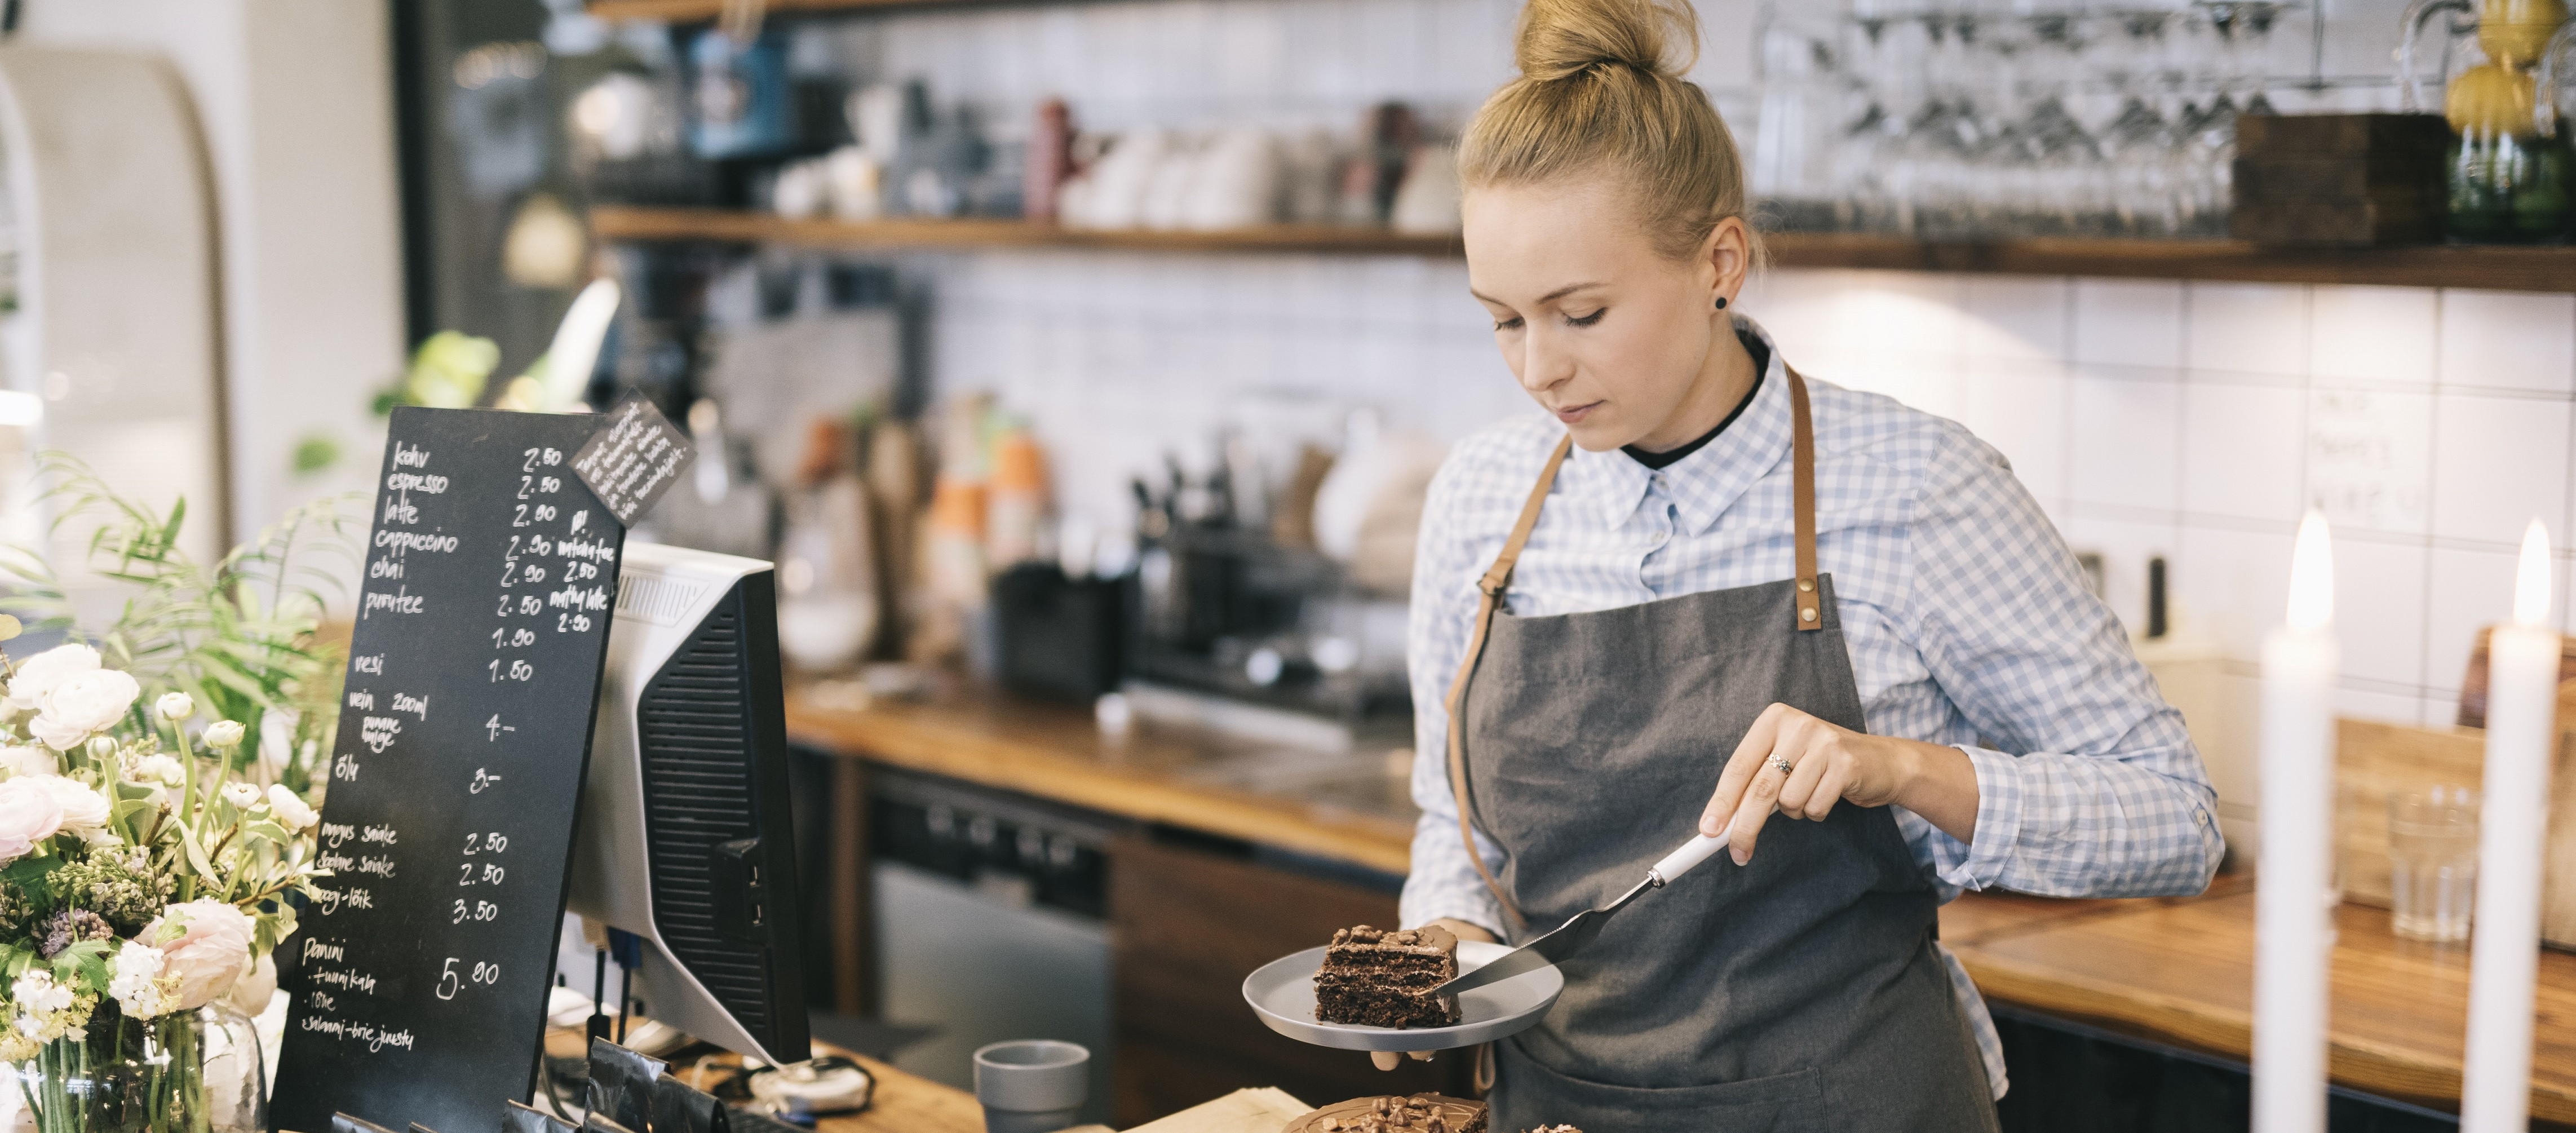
<point x="990" y="917"/>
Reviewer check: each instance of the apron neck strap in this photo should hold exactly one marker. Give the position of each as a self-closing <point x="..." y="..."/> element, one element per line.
<point x="1802" y="456"/>
<point x="1498" y="578"/>
<point x="1802" y="444"/>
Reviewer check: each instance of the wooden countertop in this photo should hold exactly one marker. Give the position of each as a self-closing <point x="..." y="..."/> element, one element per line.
<point x="1347" y="806"/>
<point x="904" y="1102"/>
<point x="908" y="1103"/>
<point x="2176" y="970"/>
<point x="2182" y="972"/>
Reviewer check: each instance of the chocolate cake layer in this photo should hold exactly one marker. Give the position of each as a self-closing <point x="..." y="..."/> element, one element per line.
<point x="1417" y="1113"/>
<point x="1376" y="978"/>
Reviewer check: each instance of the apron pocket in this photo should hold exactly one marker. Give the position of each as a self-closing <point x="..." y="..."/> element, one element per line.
<point x="1529" y="1094"/>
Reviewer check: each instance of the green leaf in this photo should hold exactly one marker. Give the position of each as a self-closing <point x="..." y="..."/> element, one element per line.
<point x="32" y="874"/>
<point x="197" y="856"/>
<point x="19" y="960"/>
<point x="269" y="831"/>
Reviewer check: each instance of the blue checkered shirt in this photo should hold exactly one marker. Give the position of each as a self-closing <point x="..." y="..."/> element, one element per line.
<point x="1968" y="621"/>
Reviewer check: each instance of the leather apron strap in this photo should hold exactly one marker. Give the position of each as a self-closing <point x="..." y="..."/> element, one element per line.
<point x="1498" y="577"/>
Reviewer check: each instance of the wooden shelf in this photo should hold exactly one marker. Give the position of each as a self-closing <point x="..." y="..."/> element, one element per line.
<point x="622" y="223"/>
<point x="699" y="11"/>
<point x="2433" y="265"/>
<point x="2498" y="268"/>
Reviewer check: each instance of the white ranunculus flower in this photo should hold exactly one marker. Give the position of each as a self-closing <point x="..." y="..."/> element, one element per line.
<point x="224" y="734"/>
<point x="29" y="814"/>
<point x="161" y="769"/>
<point x="102" y="748"/>
<point x="29" y="760"/>
<point x="158" y="773"/>
<point x="251" y="993"/>
<point x="175" y="706"/>
<point x="290" y="808"/>
<point x="38" y="675"/>
<point x="209" y="955"/>
<point x="84" y="810"/>
<point x="137" y="984"/>
<point x="240" y="794"/>
<point x="83" y="705"/>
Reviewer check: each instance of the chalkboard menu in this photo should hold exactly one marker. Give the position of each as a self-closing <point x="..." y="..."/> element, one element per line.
<point x="482" y="623"/>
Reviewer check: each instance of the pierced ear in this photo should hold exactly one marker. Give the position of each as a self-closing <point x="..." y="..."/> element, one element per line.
<point x="1721" y="302"/>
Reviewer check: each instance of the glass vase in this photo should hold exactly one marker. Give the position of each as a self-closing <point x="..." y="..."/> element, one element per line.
<point x="186" y="1072"/>
<point x="2509" y="189"/>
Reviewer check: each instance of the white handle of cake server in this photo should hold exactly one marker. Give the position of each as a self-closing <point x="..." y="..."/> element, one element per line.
<point x="1681" y="861"/>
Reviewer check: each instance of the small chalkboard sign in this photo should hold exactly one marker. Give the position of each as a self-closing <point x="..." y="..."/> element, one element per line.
<point x="474" y="674"/>
<point x="633" y="458"/>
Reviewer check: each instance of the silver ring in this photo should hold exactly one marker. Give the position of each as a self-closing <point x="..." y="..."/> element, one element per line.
<point x="1781" y="765"/>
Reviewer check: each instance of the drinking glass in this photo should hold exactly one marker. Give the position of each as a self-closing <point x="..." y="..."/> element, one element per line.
<point x="2432" y="862"/>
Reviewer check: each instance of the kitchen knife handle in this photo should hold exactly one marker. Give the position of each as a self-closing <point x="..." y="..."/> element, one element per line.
<point x="1680" y="861"/>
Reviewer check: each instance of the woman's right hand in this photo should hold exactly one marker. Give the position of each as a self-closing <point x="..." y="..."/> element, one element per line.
<point x="1388" y="1059"/>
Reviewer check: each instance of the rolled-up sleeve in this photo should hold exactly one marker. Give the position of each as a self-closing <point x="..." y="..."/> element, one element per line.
<point x="1443" y="881"/>
<point x="2093" y="787"/>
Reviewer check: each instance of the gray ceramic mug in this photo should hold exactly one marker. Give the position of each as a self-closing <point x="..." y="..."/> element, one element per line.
<point x="1032" y="1085"/>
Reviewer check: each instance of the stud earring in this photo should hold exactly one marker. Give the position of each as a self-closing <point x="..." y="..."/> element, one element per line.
<point x="1721" y="302"/>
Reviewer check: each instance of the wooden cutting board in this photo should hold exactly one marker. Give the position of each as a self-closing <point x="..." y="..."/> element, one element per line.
<point x="2375" y="760"/>
<point x="1244" y="1111"/>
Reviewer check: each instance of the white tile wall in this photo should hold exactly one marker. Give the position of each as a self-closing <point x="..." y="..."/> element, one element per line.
<point x="2150" y="418"/>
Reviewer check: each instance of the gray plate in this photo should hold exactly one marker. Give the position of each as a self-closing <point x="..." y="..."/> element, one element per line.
<point x="1283" y="994"/>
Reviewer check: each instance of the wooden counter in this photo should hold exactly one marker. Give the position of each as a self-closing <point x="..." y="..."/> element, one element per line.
<point x="902" y="1103"/>
<point x="2177" y="971"/>
<point x="1343" y="806"/>
<point x="908" y="1103"/>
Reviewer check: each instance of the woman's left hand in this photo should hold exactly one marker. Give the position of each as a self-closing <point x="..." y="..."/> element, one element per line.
<point x="1828" y="764"/>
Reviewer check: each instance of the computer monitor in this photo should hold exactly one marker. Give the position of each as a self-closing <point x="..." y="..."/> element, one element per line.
<point x="685" y="838"/>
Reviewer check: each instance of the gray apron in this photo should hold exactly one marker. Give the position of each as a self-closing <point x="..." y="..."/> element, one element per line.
<point x="1801" y="991"/>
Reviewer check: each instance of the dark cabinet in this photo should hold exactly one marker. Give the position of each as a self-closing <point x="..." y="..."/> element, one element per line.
<point x="1187" y="923"/>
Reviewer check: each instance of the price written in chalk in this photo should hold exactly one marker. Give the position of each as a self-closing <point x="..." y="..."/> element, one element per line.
<point x="480" y="973"/>
<point x="475" y="507"/>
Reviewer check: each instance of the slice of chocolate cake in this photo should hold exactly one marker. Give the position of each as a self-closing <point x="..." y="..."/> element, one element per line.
<point x="1416" y="1113"/>
<point x="1377" y="978"/>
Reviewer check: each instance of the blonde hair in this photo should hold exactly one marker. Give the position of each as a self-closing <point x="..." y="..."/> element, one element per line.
<point x="1601" y="87"/>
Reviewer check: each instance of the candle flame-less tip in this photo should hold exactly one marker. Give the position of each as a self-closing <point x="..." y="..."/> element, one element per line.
<point x="2312" y="575"/>
<point x="2531" y="577"/>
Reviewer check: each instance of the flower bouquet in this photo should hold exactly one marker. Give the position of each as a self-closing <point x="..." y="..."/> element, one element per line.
<point x="143" y="890"/>
<point x="157" y="812"/>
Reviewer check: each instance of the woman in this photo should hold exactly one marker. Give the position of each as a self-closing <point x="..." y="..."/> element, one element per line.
<point x="1711" y="597"/>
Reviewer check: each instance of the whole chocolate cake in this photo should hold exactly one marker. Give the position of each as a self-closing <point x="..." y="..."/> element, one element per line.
<point x="1417" y="1113"/>
<point x="1379" y="978"/>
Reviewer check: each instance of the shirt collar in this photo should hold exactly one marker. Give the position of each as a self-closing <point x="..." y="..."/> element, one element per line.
<point x="1705" y="483"/>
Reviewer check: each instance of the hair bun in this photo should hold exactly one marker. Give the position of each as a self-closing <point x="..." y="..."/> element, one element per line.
<point x="1559" y="39"/>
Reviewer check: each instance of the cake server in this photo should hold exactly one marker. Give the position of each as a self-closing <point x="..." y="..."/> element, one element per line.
<point x="1571" y="937"/>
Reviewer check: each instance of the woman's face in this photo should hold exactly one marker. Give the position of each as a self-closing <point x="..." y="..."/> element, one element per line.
<point x="1612" y="337"/>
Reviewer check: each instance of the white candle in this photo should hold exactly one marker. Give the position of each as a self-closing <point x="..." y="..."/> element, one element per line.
<point x="2292" y="939"/>
<point x="2522" y="706"/>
